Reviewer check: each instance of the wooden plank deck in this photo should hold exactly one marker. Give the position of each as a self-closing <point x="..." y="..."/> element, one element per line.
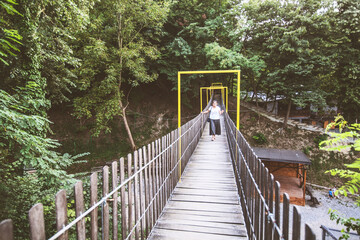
<point x="205" y="205"/>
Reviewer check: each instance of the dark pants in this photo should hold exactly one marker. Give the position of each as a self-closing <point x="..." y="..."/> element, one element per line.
<point x="215" y="128"/>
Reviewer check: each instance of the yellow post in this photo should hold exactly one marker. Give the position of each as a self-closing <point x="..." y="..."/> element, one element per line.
<point x="227" y="99"/>
<point x="238" y="112"/>
<point x="179" y="122"/>
<point x="201" y="108"/>
<point x="207" y="96"/>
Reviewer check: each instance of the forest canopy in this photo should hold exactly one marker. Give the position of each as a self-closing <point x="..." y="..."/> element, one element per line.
<point x="90" y="54"/>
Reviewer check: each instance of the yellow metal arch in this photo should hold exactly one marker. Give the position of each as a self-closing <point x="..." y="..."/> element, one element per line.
<point x="223" y="91"/>
<point x="179" y="99"/>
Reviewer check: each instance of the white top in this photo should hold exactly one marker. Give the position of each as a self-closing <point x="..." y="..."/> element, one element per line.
<point x="214" y="112"/>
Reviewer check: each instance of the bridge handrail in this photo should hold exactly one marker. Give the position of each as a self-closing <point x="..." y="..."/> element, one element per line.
<point x="262" y="198"/>
<point x="256" y="190"/>
<point x="141" y="201"/>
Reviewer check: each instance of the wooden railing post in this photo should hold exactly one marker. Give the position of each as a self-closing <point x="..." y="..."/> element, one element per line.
<point x="286" y="216"/>
<point x="147" y="193"/>
<point x="130" y="196"/>
<point x="37" y="225"/>
<point x="124" y="219"/>
<point x="93" y="199"/>
<point x="79" y="209"/>
<point x="277" y="203"/>
<point x="61" y="213"/>
<point x="296" y="229"/>
<point x="136" y="195"/>
<point x="142" y="193"/>
<point x="114" y="175"/>
<point x="6" y="230"/>
<point x="106" y="217"/>
<point x="309" y="234"/>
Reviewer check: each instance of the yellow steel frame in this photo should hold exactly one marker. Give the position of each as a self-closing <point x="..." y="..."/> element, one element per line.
<point x="217" y="84"/>
<point x="179" y="100"/>
<point x="215" y="88"/>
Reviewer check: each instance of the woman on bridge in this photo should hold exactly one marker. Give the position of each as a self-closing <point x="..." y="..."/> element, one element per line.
<point x="215" y="113"/>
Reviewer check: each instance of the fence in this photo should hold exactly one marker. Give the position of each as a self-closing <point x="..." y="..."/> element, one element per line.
<point x="260" y="194"/>
<point x="134" y="192"/>
<point x="327" y="234"/>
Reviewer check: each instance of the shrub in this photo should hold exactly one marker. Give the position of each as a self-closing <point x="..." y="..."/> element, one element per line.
<point x="259" y="138"/>
<point x="307" y="150"/>
<point x="318" y="139"/>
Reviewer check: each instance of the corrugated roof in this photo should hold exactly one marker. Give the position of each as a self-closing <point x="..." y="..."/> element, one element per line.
<point x="282" y="155"/>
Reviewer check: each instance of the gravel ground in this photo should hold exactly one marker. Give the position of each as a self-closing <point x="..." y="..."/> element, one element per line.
<point x="318" y="215"/>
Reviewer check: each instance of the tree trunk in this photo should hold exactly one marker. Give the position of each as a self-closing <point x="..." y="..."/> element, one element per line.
<point x="273" y="107"/>
<point x="287" y="114"/>
<point x="131" y="139"/>
<point x="123" y="109"/>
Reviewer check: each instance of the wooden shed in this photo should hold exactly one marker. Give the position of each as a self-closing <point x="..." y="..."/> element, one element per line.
<point x="289" y="168"/>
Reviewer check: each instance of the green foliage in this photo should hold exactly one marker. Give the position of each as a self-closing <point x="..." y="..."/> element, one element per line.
<point x="9" y="38"/>
<point x="349" y="223"/>
<point x="345" y="46"/>
<point x="338" y="142"/>
<point x="116" y="56"/>
<point x="24" y="144"/>
<point x="307" y="150"/>
<point x="320" y="138"/>
<point x="259" y="138"/>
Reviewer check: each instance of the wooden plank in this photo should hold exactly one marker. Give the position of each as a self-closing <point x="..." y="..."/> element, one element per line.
<point x="277" y="203"/>
<point x="200" y="198"/>
<point x="147" y="194"/>
<point x="130" y="196"/>
<point x="106" y="215"/>
<point x="36" y="220"/>
<point x="114" y="175"/>
<point x="79" y="209"/>
<point x="61" y="213"/>
<point x="6" y="230"/>
<point x="151" y="188"/>
<point x="309" y="233"/>
<point x="165" y="234"/>
<point x="216" y="217"/>
<point x="93" y="200"/>
<point x="286" y="216"/>
<point x="271" y="192"/>
<point x="199" y="206"/>
<point x="124" y="218"/>
<point x="296" y="229"/>
<point x="141" y="195"/>
<point x="154" y="182"/>
<point x="191" y="226"/>
<point x="136" y="196"/>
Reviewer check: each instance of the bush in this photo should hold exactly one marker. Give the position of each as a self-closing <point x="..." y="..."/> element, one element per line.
<point x="307" y="150"/>
<point x="319" y="139"/>
<point x="259" y="138"/>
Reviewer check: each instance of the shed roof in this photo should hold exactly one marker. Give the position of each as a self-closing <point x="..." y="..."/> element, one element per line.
<point x="282" y="155"/>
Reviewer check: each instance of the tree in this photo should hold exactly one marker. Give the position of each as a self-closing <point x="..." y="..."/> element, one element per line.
<point x="289" y="37"/>
<point x="337" y="142"/>
<point x="9" y="37"/>
<point x="345" y="46"/>
<point x="44" y="57"/>
<point x="116" y="52"/>
<point x="190" y="26"/>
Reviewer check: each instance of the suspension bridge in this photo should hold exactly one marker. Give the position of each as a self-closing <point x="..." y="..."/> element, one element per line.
<point x="181" y="186"/>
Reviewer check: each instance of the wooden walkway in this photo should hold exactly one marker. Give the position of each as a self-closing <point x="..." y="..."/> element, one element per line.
<point x="205" y="205"/>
